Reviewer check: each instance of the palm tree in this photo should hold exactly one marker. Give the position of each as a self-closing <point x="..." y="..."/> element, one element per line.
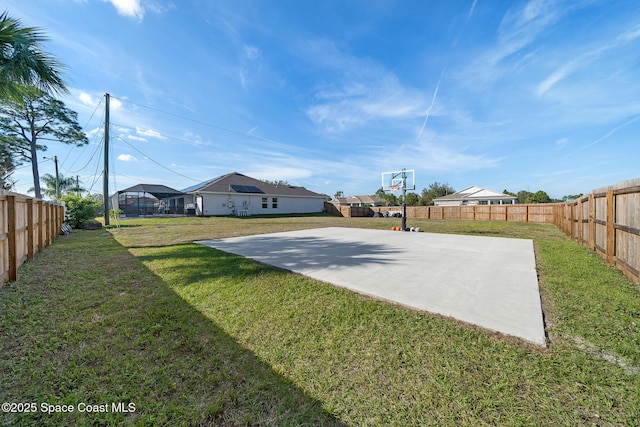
<point x="23" y="62"/>
<point x="65" y="185"/>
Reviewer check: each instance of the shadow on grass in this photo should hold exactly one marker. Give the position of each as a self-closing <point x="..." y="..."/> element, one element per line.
<point x="80" y="329"/>
<point x="298" y="253"/>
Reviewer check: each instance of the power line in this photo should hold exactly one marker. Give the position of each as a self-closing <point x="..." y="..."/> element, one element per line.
<point x="158" y="163"/>
<point x="244" y="134"/>
<point x="190" y="119"/>
<point x="174" y="138"/>
<point x="84" y="127"/>
<point x="97" y="177"/>
<point x="88" y="161"/>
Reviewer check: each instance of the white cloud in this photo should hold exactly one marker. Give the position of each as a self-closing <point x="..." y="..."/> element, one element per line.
<point x="554" y="78"/>
<point x="251" y="52"/>
<point x="86" y="99"/>
<point x="473" y="6"/>
<point x="137" y="138"/>
<point x="279" y="173"/>
<point x="518" y="30"/>
<point x="588" y="57"/>
<point x="631" y="34"/>
<point x="131" y="8"/>
<point x="95" y="131"/>
<point x="127" y="158"/>
<point x="150" y="133"/>
<point x="114" y="104"/>
<point x="357" y="92"/>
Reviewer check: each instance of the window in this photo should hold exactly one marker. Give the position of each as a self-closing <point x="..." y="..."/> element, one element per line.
<point x="274" y="202"/>
<point x="264" y="203"/>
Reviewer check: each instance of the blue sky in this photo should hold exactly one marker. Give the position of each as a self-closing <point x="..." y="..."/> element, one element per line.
<point x="518" y="95"/>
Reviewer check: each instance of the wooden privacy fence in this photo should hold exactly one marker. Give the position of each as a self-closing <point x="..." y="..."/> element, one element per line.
<point x="607" y="221"/>
<point x="543" y="213"/>
<point x="26" y="226"/>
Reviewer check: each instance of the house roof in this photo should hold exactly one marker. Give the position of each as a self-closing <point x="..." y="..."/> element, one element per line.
<point x="237" y="183"/>
<point x="156" y="190"/>
<point x="474" y="192"/>
<point x="365" y="199"/>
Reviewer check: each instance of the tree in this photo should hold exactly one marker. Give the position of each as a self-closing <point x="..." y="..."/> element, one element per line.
<point x="33" y="116"/>
<point x="23" y="62"/>
<point x="65" y="186"/>
<point x="80" y="210"/>
<point x="540" y="197"/>
<point x="413" y="199"/>
<point x="389" y="199"/>
<point x="434" y="191"/>
<point x="524" y="197"/>
<point x="571" y="197"/>
<point x="6" y="167"/>
<point x="277" y="183"/>
<point x="338" y="194"/>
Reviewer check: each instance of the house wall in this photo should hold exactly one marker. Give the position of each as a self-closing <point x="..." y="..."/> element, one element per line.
<point x="178" y="204"/>
<point x="475" y="202"/>
<point x="228" y="204"/>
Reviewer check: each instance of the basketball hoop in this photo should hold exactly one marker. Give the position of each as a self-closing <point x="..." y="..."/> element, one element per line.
<point x="394" y="187"/>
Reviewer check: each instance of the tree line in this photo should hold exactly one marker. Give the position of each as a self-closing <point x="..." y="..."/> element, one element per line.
<point x="435" y="190"/>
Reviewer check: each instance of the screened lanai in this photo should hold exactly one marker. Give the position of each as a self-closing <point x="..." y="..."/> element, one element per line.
<point x="146" y="200"/>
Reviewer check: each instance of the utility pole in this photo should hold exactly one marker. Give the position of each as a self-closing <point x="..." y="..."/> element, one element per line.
<point x="105" y="177"/>
<point x="78" y="185"/>
<point x="404" y="200"/>
<point x="55" y="161"/>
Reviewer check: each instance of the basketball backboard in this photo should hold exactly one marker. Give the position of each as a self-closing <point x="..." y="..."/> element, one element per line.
<point x="399" y="180"/>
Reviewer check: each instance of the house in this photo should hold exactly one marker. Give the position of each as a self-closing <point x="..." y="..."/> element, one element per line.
<point x="358" y="201"/>
<point x="241" y="195"/>
<point x="475" y="196"/>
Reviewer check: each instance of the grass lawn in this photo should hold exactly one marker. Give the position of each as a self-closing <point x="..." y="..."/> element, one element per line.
<point x="193" y="336"/>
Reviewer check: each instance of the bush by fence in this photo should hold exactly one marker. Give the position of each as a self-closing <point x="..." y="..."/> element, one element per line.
<point x="26" y="226"/>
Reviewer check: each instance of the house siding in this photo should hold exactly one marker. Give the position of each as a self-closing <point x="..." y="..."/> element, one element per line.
<point x="229" y="204"/>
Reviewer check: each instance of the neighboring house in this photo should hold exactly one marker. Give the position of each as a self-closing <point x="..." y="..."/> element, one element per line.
<point x="475" y="196"/>
<point x="237" y="194"/>
<point x="358" y="201"/>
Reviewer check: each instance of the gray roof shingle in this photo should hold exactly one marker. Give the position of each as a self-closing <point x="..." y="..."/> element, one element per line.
<point x="230" y="182"/>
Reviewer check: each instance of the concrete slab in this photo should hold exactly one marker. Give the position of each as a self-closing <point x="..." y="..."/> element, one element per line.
<point x="487" y="281"/>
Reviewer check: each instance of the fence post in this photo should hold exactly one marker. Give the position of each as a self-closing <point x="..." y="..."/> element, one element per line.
<point x="580" y="235"/>
<point x="611" y="231"/>
<point x="30" y="230"/>
<point x="12" y="238"/>
<point x="50" y="222"/>
<point x="41" y="222"/>
<point x="592" y="222"/>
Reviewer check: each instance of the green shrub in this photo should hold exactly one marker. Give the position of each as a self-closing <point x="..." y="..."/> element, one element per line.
<point x="80" y="210"/>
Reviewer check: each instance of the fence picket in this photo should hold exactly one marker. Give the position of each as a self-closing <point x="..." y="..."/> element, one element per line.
<point x="27" y="225"/>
